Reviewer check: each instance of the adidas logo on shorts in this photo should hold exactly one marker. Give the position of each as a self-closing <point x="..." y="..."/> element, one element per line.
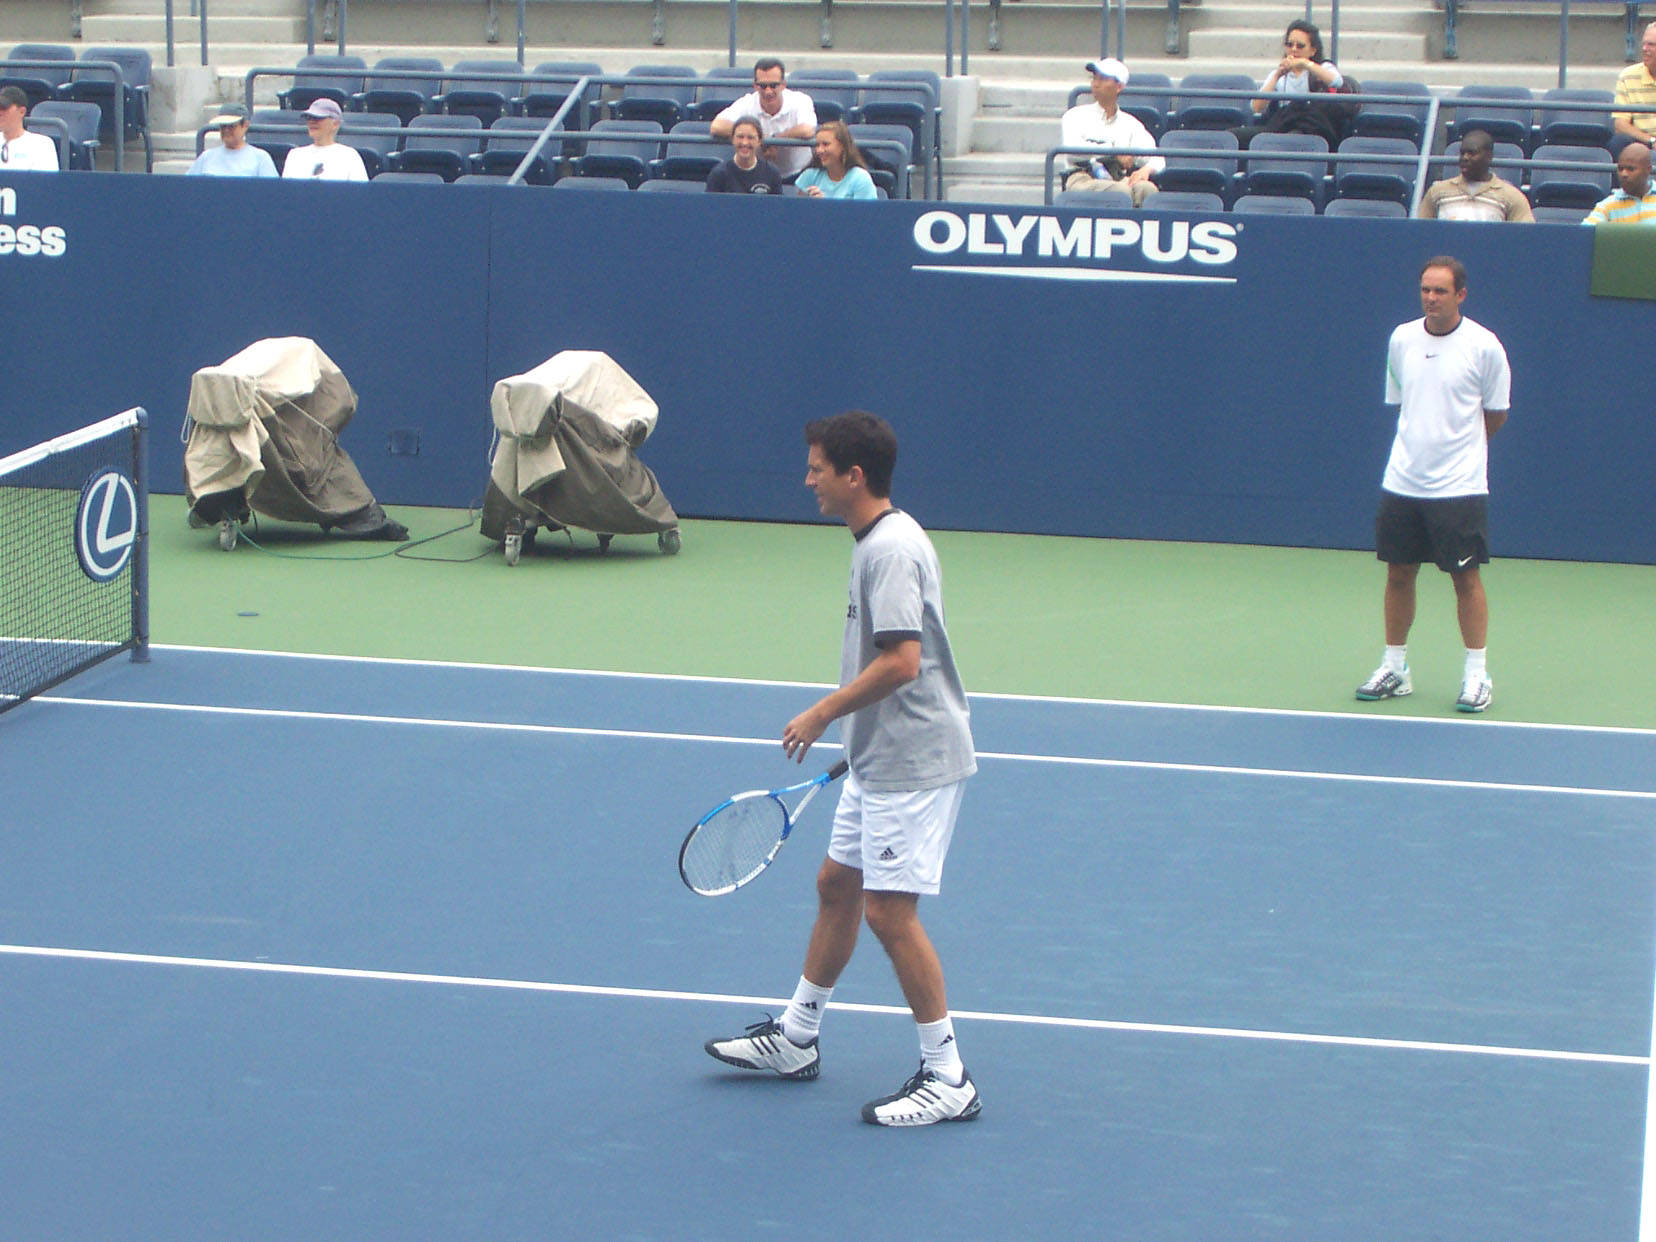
<point x="888" y="855"/>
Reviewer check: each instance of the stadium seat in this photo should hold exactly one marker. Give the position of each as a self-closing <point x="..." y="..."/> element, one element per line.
<point x="607" y="156"/>
<point x="1182" y="200"/>
<point x="545" y="98"/>
<point x="1391" y="181"/>
<point x="673" y="187"/>
<point x="833" y="92"/>
<point x="440" y="144"/>
<point x="324" y="82"/>
<point x="83" y="121"/>
<point x="490" y="179"/>
<point x="1564" y="187"/>
<point x="882" y="105"/>
<point x="1393" y="120"/>
<point x="506" y="142"/>
<point x="96" y="86"/>
<point x="1561" y="215"/>
<point x="882" y="161"/>
<point x="666" y="105"/>
<point x="1262" y="174"/>
<point x="409" y="178"/>
<point x="375" y="135"/>
<point x="1370" y="208"/>
<point x="384" y="91"/>
<point x="1201" y="160"/>
<point x="722" y="86"/>
<point x="688" y="161"/>
<point x="1195" y="111"/>
<point x="486" y="99"/>
<point x="591" y="183"/>
<point x="1273" y="205"/>
<point x="1555" y="126"/>
<point x="38" y="82"/>
<point x="1151" y="110"/>
<point x="1491" y="109"/>
<point x="276" y="131"/>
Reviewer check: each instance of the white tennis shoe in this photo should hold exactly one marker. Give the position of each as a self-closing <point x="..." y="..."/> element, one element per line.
<point x="1476" y="693"/>
<point x="924" y="1100"/>
<point x="1385" y="684"/>
<point x="765" y="1047"/>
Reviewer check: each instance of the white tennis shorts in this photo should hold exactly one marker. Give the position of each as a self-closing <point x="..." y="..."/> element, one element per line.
<point x="897" y="840"/>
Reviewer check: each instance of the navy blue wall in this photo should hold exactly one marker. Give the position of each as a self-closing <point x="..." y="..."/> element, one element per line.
<point x="1219" y="380"/>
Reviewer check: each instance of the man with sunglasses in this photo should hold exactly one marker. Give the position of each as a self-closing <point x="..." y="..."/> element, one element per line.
<point x="21" y="151"/>
<point x="782" y="113"/>
<point x="324" y="159"/>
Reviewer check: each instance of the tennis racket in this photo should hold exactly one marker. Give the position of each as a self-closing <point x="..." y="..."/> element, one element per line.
<point x="736" y="840"/>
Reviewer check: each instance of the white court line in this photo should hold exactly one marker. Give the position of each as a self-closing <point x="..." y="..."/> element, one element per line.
<point x="1482" y="722"/>
<point x="1022" y="1019"/>
<point x="1428" y="782"/>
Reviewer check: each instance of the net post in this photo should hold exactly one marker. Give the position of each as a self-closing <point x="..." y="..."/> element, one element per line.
<point x="140" y="551"/>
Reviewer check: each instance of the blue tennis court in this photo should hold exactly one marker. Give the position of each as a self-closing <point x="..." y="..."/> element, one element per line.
<point x="303" y="947"/>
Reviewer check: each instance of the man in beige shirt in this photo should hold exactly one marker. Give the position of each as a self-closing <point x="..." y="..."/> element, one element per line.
<point x="1477" y="194"/>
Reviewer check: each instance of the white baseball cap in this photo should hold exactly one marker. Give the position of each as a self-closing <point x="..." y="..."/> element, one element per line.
<point x="1109" y="67"/>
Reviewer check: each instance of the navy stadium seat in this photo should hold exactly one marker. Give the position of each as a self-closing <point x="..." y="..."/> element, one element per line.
<point x="607" y="156"/>
<point x="1261" y="174"/>
<point x="1369" y="208"/>
<point x="1200" y="159"/>
<point x="82" y="121"/>
<point x="1193" y="110"/>
<point x="97" y="86"/>
<point x="688" y="161"/>
<point x="1556" y="126"/>
<point x="666" y="105"/>
<point x="722" y="86"/>
<point x="307" y="88"/>
<point x="507" y="141"/>
<point x="1505" y="113"/>
<point x="38" y="82"/>
<point x="1273" y="205"/>
<point x="440" y="144"/>
<point x="1564" y="187"/>
<point x="833" y="92"/>
<point x="485" y="98"/>
<point x="375" y="135"/>
<point x="1393" y="120"/>
<point x="384" y="91"/>
<point x="1392" y="181"/>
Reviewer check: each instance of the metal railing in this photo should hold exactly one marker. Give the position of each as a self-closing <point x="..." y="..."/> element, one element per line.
<point x="1451" y="30"/>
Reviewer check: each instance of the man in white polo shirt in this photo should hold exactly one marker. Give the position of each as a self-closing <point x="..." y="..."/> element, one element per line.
<point x="1103" y="124"/>
<point x="1450" y="377"/>
<point x="781" y="113"/>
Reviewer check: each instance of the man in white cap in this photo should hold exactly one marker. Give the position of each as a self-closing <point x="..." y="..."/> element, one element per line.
<point x="234" y="156"/>
<point x="21" y="151"/>
<point x="324" y="159"/>
<point x="1102" y="124"/>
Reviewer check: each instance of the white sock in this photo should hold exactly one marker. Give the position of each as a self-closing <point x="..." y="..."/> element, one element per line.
<point x="803" y="1017"/>
<point x="938" y="1050"/>
<point x="1475" y="666"/>
<point x="1397" y="658"/>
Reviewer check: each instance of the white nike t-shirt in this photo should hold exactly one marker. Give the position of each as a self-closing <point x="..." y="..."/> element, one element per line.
<point x="1443" y="384"/>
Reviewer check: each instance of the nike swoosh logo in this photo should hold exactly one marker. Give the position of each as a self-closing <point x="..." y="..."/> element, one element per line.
<point x="1463" y="562"/>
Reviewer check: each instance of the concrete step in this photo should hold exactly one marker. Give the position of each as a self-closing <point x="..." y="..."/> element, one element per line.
<point x="1007" y="134"/>
<point x="151" y="29"/>
<point x="1263" y="48"/>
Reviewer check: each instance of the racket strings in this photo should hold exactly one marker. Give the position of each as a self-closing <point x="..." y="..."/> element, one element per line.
<point x="733" y="844"/>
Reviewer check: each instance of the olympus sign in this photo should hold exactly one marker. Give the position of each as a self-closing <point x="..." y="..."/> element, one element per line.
<point x="1089" y="243"/>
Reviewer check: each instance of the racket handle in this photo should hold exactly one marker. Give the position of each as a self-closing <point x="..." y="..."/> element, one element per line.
<point x="839" y="769"/>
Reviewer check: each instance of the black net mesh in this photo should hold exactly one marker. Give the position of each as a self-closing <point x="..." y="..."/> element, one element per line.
<point x="71" y="556"/>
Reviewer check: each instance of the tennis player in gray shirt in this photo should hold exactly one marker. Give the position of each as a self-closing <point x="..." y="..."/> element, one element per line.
<point x="909" y="741"/>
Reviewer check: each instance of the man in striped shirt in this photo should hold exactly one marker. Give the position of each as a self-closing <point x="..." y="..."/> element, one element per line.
<point x="1634" y="203"/>
<point x="1636" y="85"/>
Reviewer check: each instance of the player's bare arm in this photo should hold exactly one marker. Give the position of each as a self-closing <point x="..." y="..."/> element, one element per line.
<point x="893" y="668"/>
<point x="1494" y="420"/>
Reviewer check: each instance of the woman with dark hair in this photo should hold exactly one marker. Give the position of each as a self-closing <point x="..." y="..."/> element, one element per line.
<point x="1302" y="74"/>
<point x="744" y="172"/>
<point x="837" y="169"/>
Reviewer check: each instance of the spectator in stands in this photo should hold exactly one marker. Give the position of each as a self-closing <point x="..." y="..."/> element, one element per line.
<point x="1302" y="73"/>
<point x="744" y="172"/>
<point x="781" y="113"/>
<point x="234" y="156"/>
<point x="1477" y="194"/>
<point x="837" y="169"/>
<point x="1633" y="203"/>
<point x="21" y="151"/>
<point x="1636" y="84"/>
<point x="1102" y="124"/>
<point x="324" y="159"/>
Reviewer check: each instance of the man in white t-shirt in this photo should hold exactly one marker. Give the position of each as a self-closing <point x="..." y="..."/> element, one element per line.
<point x="325" y="159"/>
<point x="782" y="114"/>
<point x="1102" y="124"/>
<point x="21" y="151"/>
<point x="1450" y="377"/>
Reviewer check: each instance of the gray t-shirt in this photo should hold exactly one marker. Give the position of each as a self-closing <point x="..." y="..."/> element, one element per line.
<point x="919" y="736"/>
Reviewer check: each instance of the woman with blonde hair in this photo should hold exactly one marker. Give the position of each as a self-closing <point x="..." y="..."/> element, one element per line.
<point x="837" y="170"/>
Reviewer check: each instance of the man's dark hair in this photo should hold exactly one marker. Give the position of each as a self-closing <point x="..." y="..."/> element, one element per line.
<point x="768" y="63"/>
<point x="1454" y="266"/>
<point x="1477" y="138"/>
<point x="857" y="438"/>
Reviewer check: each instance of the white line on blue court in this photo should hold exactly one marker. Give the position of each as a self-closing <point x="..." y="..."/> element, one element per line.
<point x="1457" y="722"/>
<point x="502" y="726"/>
<point x="719" y="998"/>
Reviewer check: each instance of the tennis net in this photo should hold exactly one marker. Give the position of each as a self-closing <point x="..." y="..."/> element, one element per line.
<point x="74" y="555"/>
